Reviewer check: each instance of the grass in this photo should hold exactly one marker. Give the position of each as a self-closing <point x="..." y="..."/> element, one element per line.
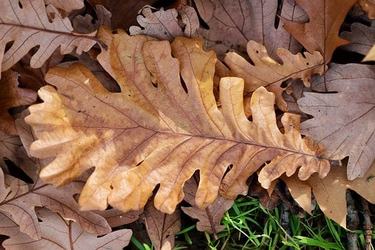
<point x="248" y="225"/>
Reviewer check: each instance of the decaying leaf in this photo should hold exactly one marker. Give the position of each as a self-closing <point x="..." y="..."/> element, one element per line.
<point x="116" y="218"/>
<point x="344" y="122"/>
<point x="265" y="71"/>
<point x="160" y="130"/>
<point x="164" y="24"/>
<point x="321" y="33"/>
<point x="361" y="37"/>
<point x="57" y="233"/>
<point x="233" y="23"/>
<point x="67" y="5"/>
<point x="124" y="13"/>
<point x="369" y="7"/>
<point x="20" y="199"/>
<point x="371" y="55"/>
<point x="27" y="25"/>
<point x="11" y="95"/>
<point x="9" y="145"/>
<point x="161" y="228"/>
<point x="330" y="192"/>
<point x="210" y="217"/>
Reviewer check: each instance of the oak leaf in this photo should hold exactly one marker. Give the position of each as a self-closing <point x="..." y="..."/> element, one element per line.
<point x="265" y="71"/>
<point x="209" y="218"/>
<point x="369" y="7"/>
<point x="321" y="33"/>
<point x="330" y="192"/>
<point x="371" y="55"/>
<point x="67" y="5"/>
<point x="160" y="129"/>
<point x="27" y="25"/>
<point x="9" y="145"/>
<point x="58" y="233"/>
<point x="20" y="199"/>
<point x="164" y="24"/>
<point x="161" y="228"/>
<point x="344" y="122"/>
<point x="231" y="24"/>
<point x="361" y="37"/>
<point x="11" y="96"/>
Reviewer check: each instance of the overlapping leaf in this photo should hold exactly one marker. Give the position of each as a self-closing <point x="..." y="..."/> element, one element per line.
<point x="164" y="24"/>
<point x="321" y="33"/>
<point x="233" y="23"/>
<point x="330" y="192"/>
<point x="26" y="24"/>
<point x="161" y="228"/>
<point x="344" y="121"/>
<point x="11" y="96"/>
<point x="361" y="37"/>
<point x="57" y="233"/>
<point x="162" y="127"/>
<point x="265" y="71"/>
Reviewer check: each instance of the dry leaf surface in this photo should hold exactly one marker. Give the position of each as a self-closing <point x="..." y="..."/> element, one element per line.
<point x="161" y="228"/>
<point x="361" y="37"/>
<point x="159" y="130"/>
<point x="27" y="25"/>
<point x="209" y="218"/>
<point x="164" y="24"/>
<point x="57" y="233"/>
<point x="233" y="23"/>
<point x="321" y="33"/>
<point x="265" y="71"/>
<point x="344" y="122"/>
<point x="330" y="192"/>
<point x="11" y="96"/>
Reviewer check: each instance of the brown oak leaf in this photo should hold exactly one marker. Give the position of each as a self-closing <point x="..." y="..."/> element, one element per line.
<point x="9" y="145"/>
<point x="321" y="33"/>
<point x="330" y="192"/>
<point x="20" y="199"/>
<point x="67" y="5"/>
<point x="163" y="126"/>
<point x="265" y="71"/>
<point x="11" y="96"/>
<point x="232" y="23"/>
<point x="369" y="7"/>
<point x="210" y="217"/>
<point x="361" y="37"/>
<point x="344" y="122"/>
<point x="164" y="24"/>
<point x="57" y="233"/>
<point x="161" y="228"/>
<point x="27" y="25"/>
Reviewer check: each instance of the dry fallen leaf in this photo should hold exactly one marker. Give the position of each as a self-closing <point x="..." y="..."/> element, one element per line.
<point x="159" y="130"/>
<point x="321" y="33"/>
<point x="20" y="199"/>
<point x="371" y="55"/>
<point x="209" y="218"/>
<point x="124" y="13"/>
<point x="8" y="148"/>
<point x="161" y="228"/>
<point x="330" y="192"/>
<point x="164" y="24"/>
<point x="11" y="96"/>
<point x="344" y="122"/>
<point x="27" y="25"/>
<point x="361" y="37"/>
<point x="233" y="23"/>
<point x="67" y="5"/>
<point x="369" y="7"/>
<point x="265" y="71"/>
<point x="57" y="233"/>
